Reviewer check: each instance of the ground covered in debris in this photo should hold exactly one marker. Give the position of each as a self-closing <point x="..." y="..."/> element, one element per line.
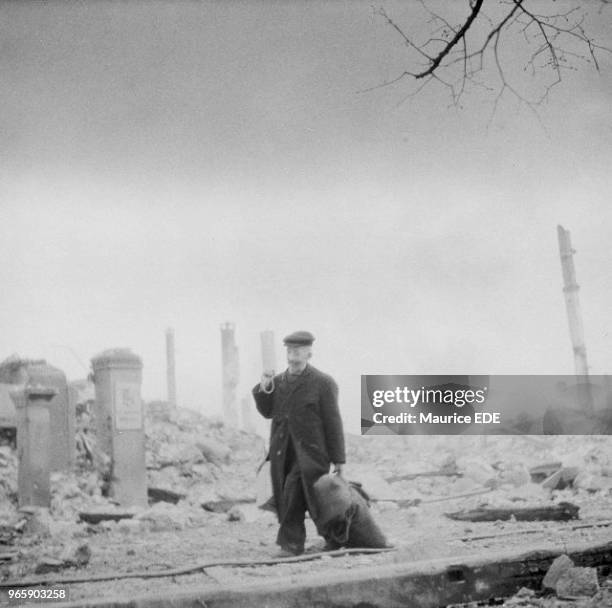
<point x="415" y="482"/>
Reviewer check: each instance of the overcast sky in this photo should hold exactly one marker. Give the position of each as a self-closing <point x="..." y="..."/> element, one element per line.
<point x="185" y="164"/>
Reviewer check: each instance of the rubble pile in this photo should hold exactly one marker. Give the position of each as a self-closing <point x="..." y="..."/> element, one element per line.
<point x="201" y="479"/>
<point x="201" y="459"/>
<point x="426" y="467"/>
<point x="194" y="457"/>
<point x="192" y="460"/>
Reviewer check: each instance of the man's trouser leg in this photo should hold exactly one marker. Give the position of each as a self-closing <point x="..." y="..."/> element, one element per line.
<point x="292" y="531"/>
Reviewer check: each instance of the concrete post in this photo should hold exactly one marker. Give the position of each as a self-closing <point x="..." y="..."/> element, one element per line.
<point x="62" y="417"/>
<point x="170" y="369"/>
<point x="231" y="373"/>
<point x="33" y="444"/>
<point x="120" y="424"/>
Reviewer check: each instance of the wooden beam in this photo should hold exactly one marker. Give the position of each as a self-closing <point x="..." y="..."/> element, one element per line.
<point x="560" y="512"/>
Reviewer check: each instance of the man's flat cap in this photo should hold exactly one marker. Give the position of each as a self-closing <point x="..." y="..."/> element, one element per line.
<point x="299" y="338"/>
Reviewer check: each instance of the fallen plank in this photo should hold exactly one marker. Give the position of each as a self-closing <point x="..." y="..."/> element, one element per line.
<point x="223" y="506"/>
<point x="560" y="512"/>
<point x="95" y="517"/>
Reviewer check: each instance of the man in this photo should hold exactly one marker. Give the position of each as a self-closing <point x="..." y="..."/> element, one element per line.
<point x="306" y="437"/>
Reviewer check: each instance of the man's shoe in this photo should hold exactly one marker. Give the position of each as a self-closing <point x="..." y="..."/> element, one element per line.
<point x="290" y="551"/>
<point x="330" y="545"/>
<point x="322" y="547"/>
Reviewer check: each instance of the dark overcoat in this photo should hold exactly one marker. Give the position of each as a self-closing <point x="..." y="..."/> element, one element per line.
<point x="305" y="411"/>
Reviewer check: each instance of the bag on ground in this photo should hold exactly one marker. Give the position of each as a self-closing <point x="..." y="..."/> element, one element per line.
<point x="344" y="516"/>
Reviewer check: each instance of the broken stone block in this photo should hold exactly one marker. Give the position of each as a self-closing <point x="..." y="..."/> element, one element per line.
<point x="557" y="569"/>
<point x="561" y="479"/>
<point x="576" y="582"/>
<point x="214" y="451"/>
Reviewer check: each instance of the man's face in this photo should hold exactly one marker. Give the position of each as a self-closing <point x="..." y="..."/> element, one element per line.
<point x="297" y="357"/>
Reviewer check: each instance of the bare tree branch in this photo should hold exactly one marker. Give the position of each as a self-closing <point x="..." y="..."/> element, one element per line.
<point x="465" y="53"/>
<point x="436" y="61"/>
